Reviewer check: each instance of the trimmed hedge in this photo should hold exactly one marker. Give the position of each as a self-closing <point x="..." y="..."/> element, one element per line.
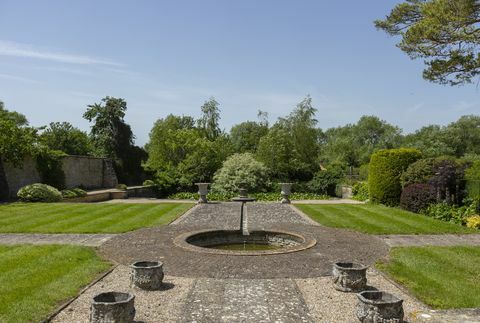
<point x="39" y="193"/>
<point x="417" y="197"/>
<point x="386" y="167"/>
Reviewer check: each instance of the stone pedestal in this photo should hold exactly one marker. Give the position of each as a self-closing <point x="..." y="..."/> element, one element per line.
<point x="286" y="191"/>
<point x="378" y="306"/>
<point x="349" y="276"/>
<point x="202" y="191"/>
<point x="147" y="275"/>
<point x="112" y="307"/>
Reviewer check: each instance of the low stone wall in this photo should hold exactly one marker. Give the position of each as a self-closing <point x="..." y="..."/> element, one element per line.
<point x="80" y="171"/>
<point x="141" y="191"/>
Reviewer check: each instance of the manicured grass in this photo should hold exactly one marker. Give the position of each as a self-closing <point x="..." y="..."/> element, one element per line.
<point x="35" y="279"/>
<point x="442" y="277"/>
<point x="377" y="219"/>
<point x="85" y="218"/>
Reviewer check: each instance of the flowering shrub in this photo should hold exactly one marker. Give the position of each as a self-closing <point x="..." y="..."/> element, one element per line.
<point x="473" y="221"/>
<point x="259" y="196"/>
<point x="450" y="213"/>
<point x="39" y="193"/>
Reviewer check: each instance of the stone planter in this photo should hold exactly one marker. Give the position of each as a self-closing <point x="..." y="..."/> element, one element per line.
<point x="147" y="275"/>
<point x="286" y="191"/>
<point x="349" y="276"/>
<point x="202" y="191"/>
<point x="377" y="306"/>
<point x="112" y="307"/>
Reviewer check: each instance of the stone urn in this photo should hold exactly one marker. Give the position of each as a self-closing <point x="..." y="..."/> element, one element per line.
<point x="147" y="275"/>
<point x="378" y="306"/>
<point x="112" y="307"/>
<point x="202" y="191"/>
<point x="286" y="191"/>
<point x="243" y="192"/>
<point x="349" y="276"/>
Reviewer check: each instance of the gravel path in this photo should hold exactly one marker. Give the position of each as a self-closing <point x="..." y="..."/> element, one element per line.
<point x="90" y="240"/>
<point x="236" y="300"/>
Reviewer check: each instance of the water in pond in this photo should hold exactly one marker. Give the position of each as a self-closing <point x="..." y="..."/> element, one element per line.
<point x="244" y="246"/>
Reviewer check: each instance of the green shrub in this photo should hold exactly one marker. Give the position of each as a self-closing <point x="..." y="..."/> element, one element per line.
<point x="325" y="182"/>
<point x="148" y="182"/>
<point x="122" y="187"/>
<point x="451" y="213"/>
<point x="418" y="172"/>
<point x="360" y="191"/>
<point x="73" y="193"/>
<point x="363" y="172"/>
<point x="386" y="167"/>
<point x="79" y="192"/>
<point x="241" y="171"/>
<point x="416" y="197"/>
<point x="39" y="193"/>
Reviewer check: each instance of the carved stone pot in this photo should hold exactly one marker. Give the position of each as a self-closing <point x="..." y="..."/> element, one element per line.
<point x="147" y="275"/>
<point x="349" y="276"/>
<point x="202" y="191"/>
<point x="286" y="191"/>
<point x="379" y="307"/>
<point x="112" y="307"/>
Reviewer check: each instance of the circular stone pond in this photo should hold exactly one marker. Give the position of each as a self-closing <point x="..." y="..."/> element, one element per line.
<point x="233" y="242"/>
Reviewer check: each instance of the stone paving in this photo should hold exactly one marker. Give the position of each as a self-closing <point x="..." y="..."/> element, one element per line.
<point x="89" y="240"/>
<point x="332" y="245"/>
<point x="445" y="240"/>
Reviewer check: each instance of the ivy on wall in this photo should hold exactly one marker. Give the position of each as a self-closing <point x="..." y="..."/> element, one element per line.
<point x="49" y="166"/>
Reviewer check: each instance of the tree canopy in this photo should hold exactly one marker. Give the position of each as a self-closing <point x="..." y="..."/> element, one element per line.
<point x="65" y="137"/>
<point x="445" y="33"/>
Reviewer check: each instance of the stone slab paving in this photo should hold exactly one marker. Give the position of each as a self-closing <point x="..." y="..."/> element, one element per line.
<point x="245" y="300"/>
<point x="445" y="240"/>
<point x="89" y="240"/>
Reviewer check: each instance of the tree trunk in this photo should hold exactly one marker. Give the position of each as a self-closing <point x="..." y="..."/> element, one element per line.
<point x="4" y="191"/>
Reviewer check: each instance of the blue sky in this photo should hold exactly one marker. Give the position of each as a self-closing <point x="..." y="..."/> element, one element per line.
<point x="56" y="57"/>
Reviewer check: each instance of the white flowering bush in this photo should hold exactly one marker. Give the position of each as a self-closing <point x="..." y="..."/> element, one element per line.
<point x="241" y="171"/>
<point x="39" y="193"/>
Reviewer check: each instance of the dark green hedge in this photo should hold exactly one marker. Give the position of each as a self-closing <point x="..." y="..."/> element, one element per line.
<point x="386" y="167"/>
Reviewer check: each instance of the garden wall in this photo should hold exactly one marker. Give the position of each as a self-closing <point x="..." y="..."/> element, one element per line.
<point x="80" y="171"/>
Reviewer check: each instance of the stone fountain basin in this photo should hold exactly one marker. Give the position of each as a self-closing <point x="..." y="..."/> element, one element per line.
<point x="206" y="240"/>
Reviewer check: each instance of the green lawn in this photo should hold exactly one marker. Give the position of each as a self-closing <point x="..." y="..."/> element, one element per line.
<point x="377" y="219"/>
<point x="35" y="279"/>
<point x="442" y="277"/>
<point x="85" y="218"/>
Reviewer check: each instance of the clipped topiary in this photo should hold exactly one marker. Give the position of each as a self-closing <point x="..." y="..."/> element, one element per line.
<point x="39" y="193"/>
<point x="241" y="171"/>
<point x="417" y="197"/>
<point x="386" y="167"/>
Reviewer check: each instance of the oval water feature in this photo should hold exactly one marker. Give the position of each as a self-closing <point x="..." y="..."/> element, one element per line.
<point x="243" y="242"/>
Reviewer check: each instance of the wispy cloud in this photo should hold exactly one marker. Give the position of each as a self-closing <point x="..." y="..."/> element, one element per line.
<point x="14" y="49"/>
<point x="17" y="78"/>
